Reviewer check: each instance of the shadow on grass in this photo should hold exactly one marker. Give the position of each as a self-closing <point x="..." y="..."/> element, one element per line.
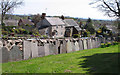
<point x="102" y="63"/>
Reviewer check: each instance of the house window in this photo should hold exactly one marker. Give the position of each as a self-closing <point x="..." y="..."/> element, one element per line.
<point x="56" y="33"/>
<point x="57" y="26"/>
<point x="62" y="26"/>
<point x="61" y="33"/>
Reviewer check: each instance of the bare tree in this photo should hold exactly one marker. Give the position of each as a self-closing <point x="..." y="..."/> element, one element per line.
<point x="110" y="7"/>
<point x="8" y="6"/>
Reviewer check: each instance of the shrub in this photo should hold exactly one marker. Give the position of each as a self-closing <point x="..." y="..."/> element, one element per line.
<point x="109" y="44"/>
<point x="115" y="43"/>
<point x="26" y="32"/>
<point x="103" y="45"/>
<point x="4" y="32"/>
<point x="44" y="36"/>
<point x="76" y="36"/>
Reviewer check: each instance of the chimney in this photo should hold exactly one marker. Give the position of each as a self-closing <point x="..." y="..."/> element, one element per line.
<point x="62" y="17"/>
<point x="43" y="15"/>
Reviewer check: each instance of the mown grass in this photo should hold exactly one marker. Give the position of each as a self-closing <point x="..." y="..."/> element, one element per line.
<point x="98" y="60"/>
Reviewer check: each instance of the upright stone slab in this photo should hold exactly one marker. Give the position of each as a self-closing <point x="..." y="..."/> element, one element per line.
<point x="1" y="45"/>
<point x="5" y="54"/>
<point x="15" y="54"/>
<point x="76" y="46"/>
<point x="34" y="49"/>
<point x="69" y="47"/>
<point x="46" y="48"/>
<point x="51" y="48"/>
<point x="88" y="44"/>
<point x="27" y="49"/>
<point x="73" y="46"/>
<point x="64" y="47"/>
<point x="41" y="51"/>
<point x="91" y="44"/>
<point x="80" y="44"/>
<point x="85" y="43"/>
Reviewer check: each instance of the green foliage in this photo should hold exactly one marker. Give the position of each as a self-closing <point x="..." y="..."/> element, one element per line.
<point x="4" y="32"/>
<point x="76" y="36"/>
<point x="89" y="26"/>
<point x="103" y="45"/>
<point x="44" y="36"/>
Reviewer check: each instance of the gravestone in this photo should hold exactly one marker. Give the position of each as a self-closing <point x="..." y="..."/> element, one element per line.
<point x="15" y="54"/>
<point x="46" y="48"/>
<point x="91" y="44"/>
<point x="88" y="44"/>
<point x="27" y="49"/>
<point x="5" y="54"/>
<point x="85" y="44"/>
<point x="73" y="46"/>
<point x="76" y="46"/>
<point x="1" y="45"/>
<point x="64" y="47"/>
<point x="69" y="47"/>
<point x="34" y="49"/>
<point x="41" y="51"/>
<point x="51" y="48"/>
<point x="80" y="44"/>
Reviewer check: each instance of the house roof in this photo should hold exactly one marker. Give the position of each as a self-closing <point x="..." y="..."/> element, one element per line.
<point x="71" y="22"/>
<point x="55" y="21"/>
<point x="11" y="22"/>
<point x="26" y="21"/>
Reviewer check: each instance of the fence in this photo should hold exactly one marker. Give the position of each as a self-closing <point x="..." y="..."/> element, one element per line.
<point x="14" y="50"/>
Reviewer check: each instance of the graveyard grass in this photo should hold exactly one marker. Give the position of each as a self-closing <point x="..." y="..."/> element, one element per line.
<point x="97" y="60"/>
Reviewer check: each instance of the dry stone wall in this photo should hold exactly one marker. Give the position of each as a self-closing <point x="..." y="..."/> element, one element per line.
<point x="14" y="50"/>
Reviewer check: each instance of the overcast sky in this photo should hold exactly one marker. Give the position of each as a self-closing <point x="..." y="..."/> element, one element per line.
<point x="73" y="8"/>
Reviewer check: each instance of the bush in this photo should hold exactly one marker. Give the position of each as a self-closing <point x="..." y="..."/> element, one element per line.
<point x="115" y="43"/>
<point x="26" y="32"/>
<point x="76" y="36"/>
<point x="4" y="32"/>
<point x="109" y="44"/>
<point x="103" y="45"/>
<point x="44" y="36"/>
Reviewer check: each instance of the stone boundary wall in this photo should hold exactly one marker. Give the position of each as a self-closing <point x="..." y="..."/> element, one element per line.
<point x="15" y="50"/>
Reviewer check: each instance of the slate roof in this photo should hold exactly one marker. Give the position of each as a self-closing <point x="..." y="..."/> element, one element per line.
<point x="55" y="21"/>
<point x="72" y="23"/>
<point x="11" y="22"/>
<point x="26" y="21"/>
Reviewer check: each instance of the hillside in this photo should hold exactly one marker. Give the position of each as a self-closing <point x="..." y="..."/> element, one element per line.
<point x="98" y="60"/>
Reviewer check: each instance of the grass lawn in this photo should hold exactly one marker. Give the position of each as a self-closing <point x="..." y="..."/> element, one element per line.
<point x="98" y="60"/>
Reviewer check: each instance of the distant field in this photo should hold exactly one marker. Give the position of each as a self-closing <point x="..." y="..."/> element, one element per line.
<point x="98" y="60"/>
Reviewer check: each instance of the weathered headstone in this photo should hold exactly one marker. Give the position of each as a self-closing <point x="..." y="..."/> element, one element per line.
<point x="73" y="46"/>
<point x="41" y="51"/>
<point x="85" y="43"/>
<point x="80" y="44"/>
<point x="69" y="47"/>
<point x="27" y="49"/>
<point x="64" y="47"/>
<point x="88" y="44"/>
<point x="91" y="44"/>
<point x="34" y="49"/>
<point x="15" y="54"/>
<point x="46" y="48"/>
<point x="1" y="45"/>
<point x="5" y="54"/>
<point x="76" y="46"/>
